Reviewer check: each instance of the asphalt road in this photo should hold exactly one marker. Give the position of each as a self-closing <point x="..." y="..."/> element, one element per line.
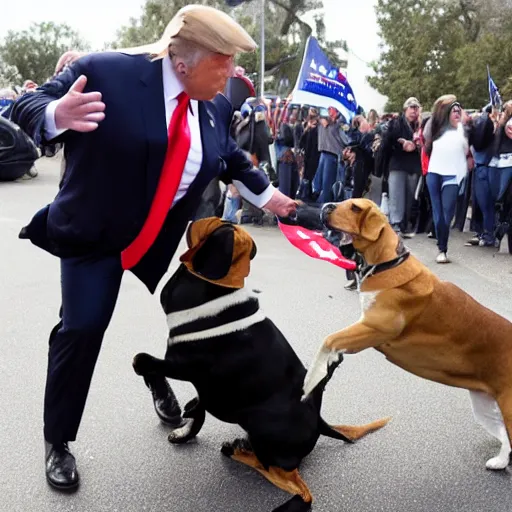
<point x="430" y="458"/>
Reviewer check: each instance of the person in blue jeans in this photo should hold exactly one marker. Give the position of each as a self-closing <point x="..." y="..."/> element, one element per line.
<point x="443" y="194"/>
<point x="483" y="183"/>
<point x="325" y="176"/>
<point x="331" y="143"/>
<point x="484" y="179"/>
<point x="232" y="203"/>
<point x="447" y="145"/>
<point x="496" y="138"/>
<point x="486" y="198"/>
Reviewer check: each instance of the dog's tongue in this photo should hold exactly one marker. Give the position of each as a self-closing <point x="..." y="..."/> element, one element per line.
<point x="315" y="245"/>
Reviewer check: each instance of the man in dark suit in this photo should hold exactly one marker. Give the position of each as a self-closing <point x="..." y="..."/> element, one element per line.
<point x="143" y="135"/>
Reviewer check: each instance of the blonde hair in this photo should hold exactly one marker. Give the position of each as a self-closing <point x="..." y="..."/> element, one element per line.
<point x="373" y="117"/>
<point x="443" y="101"/>
<point x="189" y="52"/>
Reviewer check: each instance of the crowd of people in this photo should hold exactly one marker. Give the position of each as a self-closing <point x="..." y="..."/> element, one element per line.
<point x="426" y="170"/>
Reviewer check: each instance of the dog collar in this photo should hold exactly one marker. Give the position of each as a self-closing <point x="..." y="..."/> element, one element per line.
<point x="371" y="270"/>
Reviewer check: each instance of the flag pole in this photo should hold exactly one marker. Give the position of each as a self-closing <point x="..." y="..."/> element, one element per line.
<point x="262" y="50"/>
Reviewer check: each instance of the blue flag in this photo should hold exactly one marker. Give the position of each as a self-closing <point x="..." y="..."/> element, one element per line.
<point x="320" y="84"/>
<point x="494" y="92"/>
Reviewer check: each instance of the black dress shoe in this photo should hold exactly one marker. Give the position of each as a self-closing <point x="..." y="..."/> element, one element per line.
<point x="61" y="470"/>
<point x="166" y="405"/>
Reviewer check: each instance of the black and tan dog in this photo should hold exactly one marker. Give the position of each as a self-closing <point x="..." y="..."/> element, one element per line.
<point x="244" y="370"/>
<point x="428" y="327"/>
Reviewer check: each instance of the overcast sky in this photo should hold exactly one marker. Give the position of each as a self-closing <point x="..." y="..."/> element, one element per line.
<point x="98" y="20"/>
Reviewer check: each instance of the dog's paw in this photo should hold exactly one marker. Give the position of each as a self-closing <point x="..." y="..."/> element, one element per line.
<point x="236" y="446"/>
<point x="142" y="364"/>
<point x="497" y="463"/>
<point x="181" y="435"/>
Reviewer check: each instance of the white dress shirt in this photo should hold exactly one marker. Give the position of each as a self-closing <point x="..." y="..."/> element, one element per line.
<point x="172" y="89"/>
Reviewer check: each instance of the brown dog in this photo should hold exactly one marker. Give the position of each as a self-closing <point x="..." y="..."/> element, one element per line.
<point x="430" y="328"/>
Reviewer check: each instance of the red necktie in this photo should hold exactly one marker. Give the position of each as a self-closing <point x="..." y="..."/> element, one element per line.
<point x="178" y="147"/>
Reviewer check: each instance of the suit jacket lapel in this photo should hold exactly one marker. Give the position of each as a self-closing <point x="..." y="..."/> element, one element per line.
<point x="211" y="153"/>
<point x="153" y="113"/>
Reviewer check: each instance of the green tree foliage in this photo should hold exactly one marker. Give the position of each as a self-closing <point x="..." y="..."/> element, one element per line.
<point x="9" y="75"/>
<point x="285" y="33"/>
<point x="34" y="52"/>
<point x="435" y="47"/>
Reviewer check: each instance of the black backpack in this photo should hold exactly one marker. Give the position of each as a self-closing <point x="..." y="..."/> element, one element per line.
<point x="17" y="151"/>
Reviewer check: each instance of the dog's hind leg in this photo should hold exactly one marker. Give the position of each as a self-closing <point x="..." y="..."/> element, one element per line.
<point x="289" y="481"/>
<point x="488" y="414"/>
<point x="355" y="432"/>
<point x="505" y="402"/>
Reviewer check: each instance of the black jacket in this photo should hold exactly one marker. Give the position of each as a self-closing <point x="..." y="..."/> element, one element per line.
<point x="485" y="138"/>
<point x="393" y="157"/>
<point x="358" y="174"/>
<point x="309" y="143"/>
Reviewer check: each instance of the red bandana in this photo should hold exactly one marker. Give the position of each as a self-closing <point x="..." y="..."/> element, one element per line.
<point x="315" y="245"/>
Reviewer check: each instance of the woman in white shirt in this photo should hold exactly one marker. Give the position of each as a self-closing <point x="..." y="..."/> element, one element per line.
<point x="447" y="145"/>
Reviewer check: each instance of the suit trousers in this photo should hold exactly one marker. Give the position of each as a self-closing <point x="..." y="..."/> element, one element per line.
<point x="90" y="287"/>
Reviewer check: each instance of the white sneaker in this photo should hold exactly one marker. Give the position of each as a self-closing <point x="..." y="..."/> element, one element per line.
<point x="32" y="173"/>
<point x="442" y="258"/>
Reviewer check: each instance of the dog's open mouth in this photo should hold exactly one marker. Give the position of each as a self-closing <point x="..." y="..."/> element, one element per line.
<point x="342" y="238"/>
<point x="345" y="238"/>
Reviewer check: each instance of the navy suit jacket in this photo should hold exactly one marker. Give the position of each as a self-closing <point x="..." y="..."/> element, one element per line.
<point x="112" y="173"/>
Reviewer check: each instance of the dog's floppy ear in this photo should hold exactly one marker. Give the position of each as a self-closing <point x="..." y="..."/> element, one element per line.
<point x="372" y="224"/>
<point x="213" y="259"/>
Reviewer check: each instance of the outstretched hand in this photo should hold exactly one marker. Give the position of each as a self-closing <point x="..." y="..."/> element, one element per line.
<point x="281" y="205"/>
<point x="79" y="111"/>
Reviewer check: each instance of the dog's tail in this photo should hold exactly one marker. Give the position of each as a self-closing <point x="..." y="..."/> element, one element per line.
<point x="351" y="433"/>
<point x="328" y="431"/>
